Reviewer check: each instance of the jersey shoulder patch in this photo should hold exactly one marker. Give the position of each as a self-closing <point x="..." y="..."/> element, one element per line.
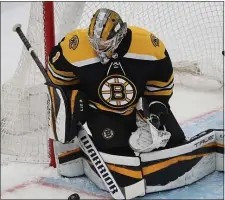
<point x="146" y="44"/>
<point x="155" y="40"/>
<point x="73" y="42"/>
<point x="76" y="47"/>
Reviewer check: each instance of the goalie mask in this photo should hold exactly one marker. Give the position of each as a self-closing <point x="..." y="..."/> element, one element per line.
<point x="105" y="33"/>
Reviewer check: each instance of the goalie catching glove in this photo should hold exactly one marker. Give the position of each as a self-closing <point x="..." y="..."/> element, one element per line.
<point x="151" y="133"/>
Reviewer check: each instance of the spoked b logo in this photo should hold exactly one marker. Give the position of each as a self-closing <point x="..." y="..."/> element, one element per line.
<point x="117" y="91"/>
<point x="108" y="133"/>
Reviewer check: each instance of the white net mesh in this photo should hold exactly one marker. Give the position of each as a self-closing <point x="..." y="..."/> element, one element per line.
<point x="24" y="103"/>
<point x="191" y="31"/>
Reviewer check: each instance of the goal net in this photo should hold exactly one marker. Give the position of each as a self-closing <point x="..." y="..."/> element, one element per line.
<point x="191" y="31"/>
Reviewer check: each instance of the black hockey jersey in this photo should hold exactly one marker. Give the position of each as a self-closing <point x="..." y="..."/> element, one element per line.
<point x="141" y="69"/>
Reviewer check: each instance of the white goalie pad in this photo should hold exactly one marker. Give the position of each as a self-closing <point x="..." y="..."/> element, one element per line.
<point x="100" y="166"/>
<point x="160" y="170"/>
<point x="60" y="121"/>
<point x="185" y="164"/>
<point x="131" y="191"/>
<point x="69" y="158"/>
<point x="220" y="150"/>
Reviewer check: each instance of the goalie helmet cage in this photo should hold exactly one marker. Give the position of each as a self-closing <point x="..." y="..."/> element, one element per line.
<point x="191" y="31"/>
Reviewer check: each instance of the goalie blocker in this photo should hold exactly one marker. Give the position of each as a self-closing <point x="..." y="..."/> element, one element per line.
<point x="150" y="172"/>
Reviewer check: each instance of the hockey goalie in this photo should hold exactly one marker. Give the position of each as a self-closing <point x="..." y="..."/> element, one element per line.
<point x="118" y="80"/>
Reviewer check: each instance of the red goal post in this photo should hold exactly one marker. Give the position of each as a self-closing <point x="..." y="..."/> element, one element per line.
<point x="49" y="35"/>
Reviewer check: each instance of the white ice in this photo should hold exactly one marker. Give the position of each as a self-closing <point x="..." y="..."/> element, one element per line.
<point x="186" y="103"/>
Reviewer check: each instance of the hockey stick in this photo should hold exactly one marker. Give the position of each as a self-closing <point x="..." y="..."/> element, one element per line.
<point x="17" y="29"/>
<point x="84" y="138"/>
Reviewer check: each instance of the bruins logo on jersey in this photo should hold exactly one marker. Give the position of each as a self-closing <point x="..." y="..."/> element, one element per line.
<point x="117" y="91"/>
<point x="73" y="43"/>
<point x="155" y="40"/>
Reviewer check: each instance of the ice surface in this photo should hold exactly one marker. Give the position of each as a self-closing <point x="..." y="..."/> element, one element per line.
<point x="24" y="181"/>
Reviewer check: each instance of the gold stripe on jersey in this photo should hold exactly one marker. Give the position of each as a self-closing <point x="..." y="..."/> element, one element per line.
<point x="62" y="82"/>
<point x="83" y="51"/>
<point x="142" y="46"/>
<point x="162" y="165"/>
<point x="159" y="93"/>
<point x="63" y="74"/>
<point x="160" y="88"/>
<point x="127" y="111"/>
<point x="86" y="62"/>
<point x="73" y="99"/>
<point x="161" y="83"/>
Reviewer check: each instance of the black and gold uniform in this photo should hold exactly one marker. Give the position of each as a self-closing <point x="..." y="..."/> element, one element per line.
<point x="141" y="67"/>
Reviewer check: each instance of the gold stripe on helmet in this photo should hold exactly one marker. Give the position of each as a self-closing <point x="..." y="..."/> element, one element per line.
<point x="92" y="25"/>
<point x="110" y="24"/>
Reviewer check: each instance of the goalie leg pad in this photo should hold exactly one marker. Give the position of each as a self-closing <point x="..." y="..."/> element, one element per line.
<point x="117" y="173"/>
<point x="219" y="150"/>
<point x="125" y="170"/>
<point x="182" y="165"/>
<point x="91" y="173"/>
<point x="68" y="159"/>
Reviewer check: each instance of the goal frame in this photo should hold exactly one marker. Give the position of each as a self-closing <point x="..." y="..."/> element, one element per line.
<point x="49" y="43"/>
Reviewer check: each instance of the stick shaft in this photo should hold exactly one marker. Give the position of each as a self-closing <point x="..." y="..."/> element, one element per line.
<point x="32" y="53"/>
